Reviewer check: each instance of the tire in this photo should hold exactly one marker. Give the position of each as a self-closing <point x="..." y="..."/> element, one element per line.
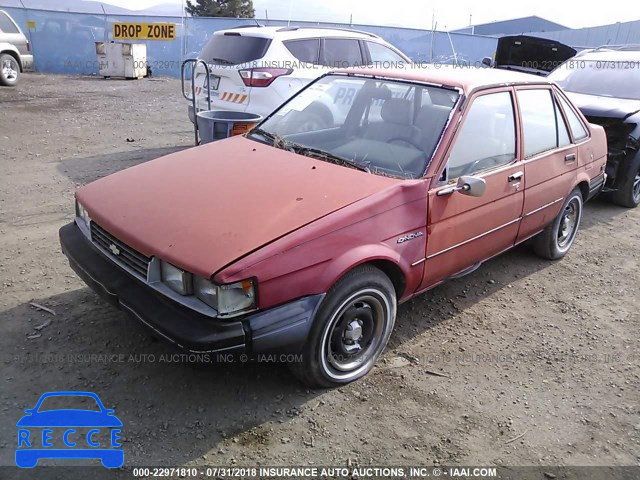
<point x="628" y="195"/>
<point x="350" y="330"/>
<point x="555" y="241"/>
<point x="9" y="70"/>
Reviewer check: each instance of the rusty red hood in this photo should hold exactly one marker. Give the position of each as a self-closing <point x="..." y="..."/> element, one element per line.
<point x="202" y="208"/>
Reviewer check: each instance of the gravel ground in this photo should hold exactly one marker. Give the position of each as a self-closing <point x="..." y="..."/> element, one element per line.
<point x="543" y="351"/>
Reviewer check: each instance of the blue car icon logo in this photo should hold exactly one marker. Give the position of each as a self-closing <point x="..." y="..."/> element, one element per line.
<point x="69" y="433"/>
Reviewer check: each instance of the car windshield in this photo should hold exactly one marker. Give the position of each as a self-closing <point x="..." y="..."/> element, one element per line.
<point x="619" y="79"/>
<point x="384" y="127"/>
<point x="67" y="402"/>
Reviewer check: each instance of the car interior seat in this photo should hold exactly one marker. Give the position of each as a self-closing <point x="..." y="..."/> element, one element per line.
<point x="430" y="123"/>
<point x="396" y="124"/>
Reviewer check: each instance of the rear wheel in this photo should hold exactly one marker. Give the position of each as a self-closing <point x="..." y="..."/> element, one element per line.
<point x="350" y="331"/>
<point x="628" y="195"/>
<point x="555" y="241"/>
<point x="9" y="70"/>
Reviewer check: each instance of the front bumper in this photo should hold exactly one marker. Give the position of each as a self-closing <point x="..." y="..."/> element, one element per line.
<point x="282" y="329"/>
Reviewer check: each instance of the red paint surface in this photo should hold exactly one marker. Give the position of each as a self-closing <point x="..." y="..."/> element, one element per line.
<point x="205" y="207"/>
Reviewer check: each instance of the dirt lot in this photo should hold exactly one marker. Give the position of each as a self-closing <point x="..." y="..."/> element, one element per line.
<point x="522" y="347"/>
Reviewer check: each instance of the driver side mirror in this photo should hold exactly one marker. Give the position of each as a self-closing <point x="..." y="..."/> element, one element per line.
<point x="467" y="185"/>
<point x="472" y="186"/>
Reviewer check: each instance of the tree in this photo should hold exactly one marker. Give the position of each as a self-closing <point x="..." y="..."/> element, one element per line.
<point x="221" y="8"/>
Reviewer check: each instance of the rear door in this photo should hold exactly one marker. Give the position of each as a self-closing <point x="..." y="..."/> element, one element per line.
<point x="465" y="230"/>
<point x="550" y="158"/>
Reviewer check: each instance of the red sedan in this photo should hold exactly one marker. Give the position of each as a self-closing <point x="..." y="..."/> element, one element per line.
<point x="302" y="238"/>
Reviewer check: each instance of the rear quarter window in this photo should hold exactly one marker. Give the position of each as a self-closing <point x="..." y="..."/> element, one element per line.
<point x="7" y="25"/>
<point x="578" y="130"/>
<point x="234" y="49"/>
<point x="381" y="54"/>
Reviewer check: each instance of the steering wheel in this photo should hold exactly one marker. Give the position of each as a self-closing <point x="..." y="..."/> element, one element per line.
<point x="408" y="141"/>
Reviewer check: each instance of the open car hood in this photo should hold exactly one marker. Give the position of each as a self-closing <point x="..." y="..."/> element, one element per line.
<point x="531" y="54"/>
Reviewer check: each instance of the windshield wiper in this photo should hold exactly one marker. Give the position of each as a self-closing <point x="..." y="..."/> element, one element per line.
<point x="328" y="157"/>
<point x="264" y="134"/>
<point x="276" y="140"/>
<point x="279" y="142"/>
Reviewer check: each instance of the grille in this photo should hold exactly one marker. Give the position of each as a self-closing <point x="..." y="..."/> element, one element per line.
<point x="119" y="251"/>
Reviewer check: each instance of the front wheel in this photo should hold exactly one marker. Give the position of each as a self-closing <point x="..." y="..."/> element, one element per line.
<point x="555" y="241"/>
<point x="350" y="331"/>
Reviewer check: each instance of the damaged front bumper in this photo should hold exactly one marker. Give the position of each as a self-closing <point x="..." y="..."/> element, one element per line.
<point x="282" y="329"/>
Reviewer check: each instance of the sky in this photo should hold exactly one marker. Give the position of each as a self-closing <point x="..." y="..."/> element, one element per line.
<point x="420" y="13"/>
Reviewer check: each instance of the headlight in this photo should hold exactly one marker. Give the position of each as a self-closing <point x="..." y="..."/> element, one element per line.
<point x="81" y="213"/>
<point x="206" y="291"/>
<point x="176" y="279"/>
<point x="233" y="298"/>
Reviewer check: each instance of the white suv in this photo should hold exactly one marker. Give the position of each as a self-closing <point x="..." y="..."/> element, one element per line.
<point x="255" y="69"/>
<point x="15" y="51"/>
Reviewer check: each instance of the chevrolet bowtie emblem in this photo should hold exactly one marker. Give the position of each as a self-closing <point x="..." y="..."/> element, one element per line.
<point x="115" y="250"/>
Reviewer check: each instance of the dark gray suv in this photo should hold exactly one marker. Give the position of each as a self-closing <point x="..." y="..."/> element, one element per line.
<point x="15" y="51"/>
<point x="603" y="84"/>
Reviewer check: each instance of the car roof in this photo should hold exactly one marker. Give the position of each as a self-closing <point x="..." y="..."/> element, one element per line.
<point x="296" y="32"/>
<point x="608" y="55"/>
<point x="466" y="78"/>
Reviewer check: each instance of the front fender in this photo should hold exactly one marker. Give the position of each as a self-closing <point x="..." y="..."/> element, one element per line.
<point x="316" y="267"/>
<point x="374" y="253"/>
<point x="318" y="278"/>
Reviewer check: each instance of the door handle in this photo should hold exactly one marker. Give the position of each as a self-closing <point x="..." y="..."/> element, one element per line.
<point x="516" y="176"/>
<point x="570" y="157"/>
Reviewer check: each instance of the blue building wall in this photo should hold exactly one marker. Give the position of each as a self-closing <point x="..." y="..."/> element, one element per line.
<point x="64" y="42"/>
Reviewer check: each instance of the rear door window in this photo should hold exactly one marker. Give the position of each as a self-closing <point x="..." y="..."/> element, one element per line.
<point x="234" y="49"/>
<point x="341" y="53"/>
<point x="304" y="50"/>
<point x="539" y="123"/>
<point x="7" y="25"/>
